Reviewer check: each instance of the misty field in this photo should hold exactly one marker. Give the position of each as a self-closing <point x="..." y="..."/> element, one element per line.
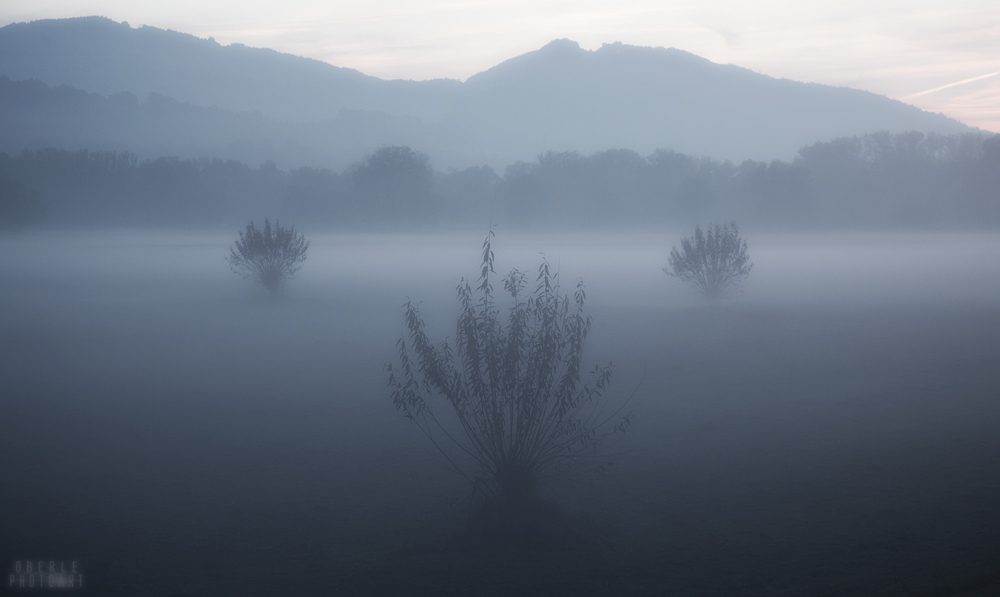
<point x="834" y="430"/>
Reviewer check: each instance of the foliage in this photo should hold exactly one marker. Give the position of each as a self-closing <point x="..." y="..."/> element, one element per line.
<point x="19" y="205"/>
<point x="715" y="262"/>
<point x="878" y="180"/>
<point x="395" y="179"/>
<point x="268" y="255"/>
<point x="523" y="415"/>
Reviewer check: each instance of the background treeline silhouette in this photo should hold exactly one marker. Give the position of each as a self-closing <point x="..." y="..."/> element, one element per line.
<point x="19" y="205"/>
<point x="880" y="180"/>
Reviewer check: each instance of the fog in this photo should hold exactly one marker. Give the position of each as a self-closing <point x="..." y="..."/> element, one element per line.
<point x="176" y="430"/>
<point x="172" y="428"/>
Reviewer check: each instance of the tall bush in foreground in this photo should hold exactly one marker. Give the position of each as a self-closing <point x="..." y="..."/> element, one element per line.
<point x="715" y="262"/>
<point x="512" y="381"/>
<point x="268" y="255"/>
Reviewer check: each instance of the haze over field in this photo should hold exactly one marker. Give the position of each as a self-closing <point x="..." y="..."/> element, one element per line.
<point x="833" y="429"/>
<point x="727" y="333"/>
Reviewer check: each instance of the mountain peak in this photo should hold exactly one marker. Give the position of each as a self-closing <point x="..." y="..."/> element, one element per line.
<point x="557" y="97"/>
<point x="547" y="61"/>
<point x="561" y="45"/>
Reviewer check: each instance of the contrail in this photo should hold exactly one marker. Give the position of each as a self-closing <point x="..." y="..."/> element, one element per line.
<point x="979" y="78"/>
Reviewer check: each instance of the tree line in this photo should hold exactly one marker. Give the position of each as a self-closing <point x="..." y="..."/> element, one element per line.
<point x="879" y="180"/>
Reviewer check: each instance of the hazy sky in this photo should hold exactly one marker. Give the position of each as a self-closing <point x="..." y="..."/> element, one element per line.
<point x="900" y="48"/>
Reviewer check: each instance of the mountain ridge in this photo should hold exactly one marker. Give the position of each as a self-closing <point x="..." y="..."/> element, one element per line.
<point x="559" y="97"/>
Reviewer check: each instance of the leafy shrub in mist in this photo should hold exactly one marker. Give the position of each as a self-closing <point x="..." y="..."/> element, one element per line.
<point x="521" y="413"/>
<point x="715" y="261"/>
<point x="268" y="255"/>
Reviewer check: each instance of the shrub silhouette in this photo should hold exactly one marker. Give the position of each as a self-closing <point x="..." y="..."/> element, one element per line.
<point x="268" y="255"/>
<point x="522" y="414"/>
<point x="715" y="262"/>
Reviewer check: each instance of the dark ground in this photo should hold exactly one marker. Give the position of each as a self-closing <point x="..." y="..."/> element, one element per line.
<point x="178" y="435"/>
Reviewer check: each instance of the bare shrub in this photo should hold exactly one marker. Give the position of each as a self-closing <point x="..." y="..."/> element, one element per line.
<point x="715" y="262"/>
<point x="523" y="416"/>
<point x="268" y="255"/>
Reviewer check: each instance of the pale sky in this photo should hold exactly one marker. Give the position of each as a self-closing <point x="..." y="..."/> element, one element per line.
<point x="914" y="50"/>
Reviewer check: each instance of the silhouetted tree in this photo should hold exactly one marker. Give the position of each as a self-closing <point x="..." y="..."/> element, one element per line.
<point x="268" y="255"/>
<point x="468" y="195"/>
<point x="715" y="262"/>
<point x="522" y="413"/>
<point x="19" y="205"/>
<point x="394" y="179"/>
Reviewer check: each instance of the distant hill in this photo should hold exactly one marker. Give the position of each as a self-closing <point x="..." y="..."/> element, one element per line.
<point x="559" y="97"/>
<point x="98" y="55"/>
<point x="564" y="97"/>
<point x="35" y="116"/>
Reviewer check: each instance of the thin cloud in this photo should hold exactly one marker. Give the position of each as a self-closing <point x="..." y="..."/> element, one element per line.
<point x="949" y="85"/>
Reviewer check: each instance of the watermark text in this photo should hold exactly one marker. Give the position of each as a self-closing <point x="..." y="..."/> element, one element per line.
<point x="45" y="574"/>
